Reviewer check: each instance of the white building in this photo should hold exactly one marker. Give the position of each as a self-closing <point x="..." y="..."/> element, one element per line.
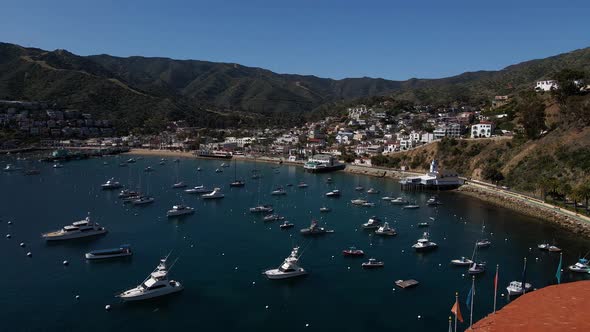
<point x="482" y="129"/>
<point x="449" y="130"/>
<point x="547" y="85"/>
<point x="427" y="137"/>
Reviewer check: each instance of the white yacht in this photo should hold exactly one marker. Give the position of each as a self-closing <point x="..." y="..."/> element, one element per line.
<point x="477" y="268"/>
<point x="157" y="284"/>
<point x="411" y="206"/>
<point x="333" y="193"/>
<point x="57" y="165"/>
<point x="302" y="185"/>
<point x="215" y="194"/>
<point x="581" y="266"/>
<point x="261" y="209"/>
<point x="325" y="209"/>
<point x="126" y="193"/>
<point x="387" y="198"/>
<point x="179" y="210"/>
<point x="179" y="185"/>
<point x="273" y="217"/>
<point x="315" y="229"/>
<point x="515" y="287"/>
<point x="110" y="184"/>
<point x="424" y="244"/>
<point x="368" y="204"/>
<point x="198" y="190"/>
<point x="358" y="201"/>
<point x="484" y="243"/>
<point x="218" y="170"/>
<point x="78" y="229"/>
<point x="385" y="230"/>
<point x="399" y="201"/>
<point x="288" y="269"/>
<point x="432" y="201"/>
<point x="122" y="251"/>
<point x="279" y="191"/>
<point x="141" y="200"/>
<point x="11" y="168"/>
<point x="373" y="222"/>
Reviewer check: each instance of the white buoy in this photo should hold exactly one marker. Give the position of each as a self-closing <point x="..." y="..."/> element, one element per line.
<point x="77" y="297"/>
<point x="22" y="244"/>
<point x="107" y="307"/>
<point x="253" y="282"/>
<point x="65" y="263"/>
<point x="266" y="307"/>
<point x="306" y="324"/>
<point x="502" y="294"/>
<point x="349" y="267"/>
<point x="419" y="316"/>
<point x="10" y="222"/>
<point x="29" y="254"/>
<point x="8" y="236"/>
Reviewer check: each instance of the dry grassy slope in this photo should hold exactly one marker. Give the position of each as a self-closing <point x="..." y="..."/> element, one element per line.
<point x="562" y="153"/>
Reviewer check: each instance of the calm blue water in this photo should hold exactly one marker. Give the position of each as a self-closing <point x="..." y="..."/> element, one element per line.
<point x="222" y="250"/>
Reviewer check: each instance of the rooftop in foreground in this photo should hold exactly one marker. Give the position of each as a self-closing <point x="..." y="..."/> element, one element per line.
<point x="554" y="308"/>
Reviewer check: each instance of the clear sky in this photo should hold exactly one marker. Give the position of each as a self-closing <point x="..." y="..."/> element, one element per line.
<point x="332" y="38"/>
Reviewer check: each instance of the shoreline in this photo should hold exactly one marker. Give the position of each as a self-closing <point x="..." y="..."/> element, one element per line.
<point x="564" y="219"/>
<point x="561" y="218"/>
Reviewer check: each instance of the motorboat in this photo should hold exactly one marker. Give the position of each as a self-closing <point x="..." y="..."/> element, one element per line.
<point x="581" y="266"/>
<point x="358" y="201"/>
<point x="314" y="229"/>
<point x="387" y="198"/>
<point x="286" y="224"/>
<point x="515" y="288"/>
<point x="385" y="230"/>
<point x="423" y="224"/>
<point x="325" y="209"/>
<point x="58" y="165"/>
<point x="359" y="188"/>
<point x="11" y="168"/>
<point x="148" y="169"/>
<point x="477" y="268"/>
<point x="302" y="185"/>
<point x="198" y="190"/>
<point x="372" y="223"/>
<point x="433" y="201"/>
<point x="424" y="243"/>
<point x="215" y="194"/>
<point x="273" y="217"/>
<point x="372" y="191"/>
<point x="198" y="169"/>
<point x="142" y="200"/>
<point x="484" y="243"/>
<point x="372" y="264"/>
<point x="125" y="193"/>
<point x="78" y="229"/>
<point x="110" y="184"/>
<point x="399" y="201"/>
<point x="554" y="249"/>
<point x="179" y="210"/>
<point x="411" y="207"/>
<point x="353" y="252"/>
<point x="122" y="251"/>
<point x="162" y="162"/>
<point x="333" y="193"/>
<point x="279" y="192"/>
<point x="155" y="285"/>
<point x="218" y="170"/>
<point x="543" y="246"/>
<point x="224" y="165"/>
<point x="262" y="209"/>
<point x="179" y="185"/>
<point x="130" y="199"/>
<point x="288" y="269"/>
<point x="368" y="204"/>
<point x="131" y="160"/>
<point x="463" y="261"/>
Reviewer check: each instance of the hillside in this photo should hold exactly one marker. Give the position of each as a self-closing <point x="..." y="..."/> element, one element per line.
<point x="146" y="92"/>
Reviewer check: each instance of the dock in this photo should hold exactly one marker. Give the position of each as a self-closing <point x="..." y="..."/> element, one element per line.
<point x="406" y="283"/>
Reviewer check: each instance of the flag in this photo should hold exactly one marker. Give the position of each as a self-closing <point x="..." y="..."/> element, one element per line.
<point x="469" y="297"/>
<point x="558" y="273"/>
<point x="456" y="310"/>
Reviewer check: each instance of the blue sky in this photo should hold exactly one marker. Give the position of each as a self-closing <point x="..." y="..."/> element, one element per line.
<point x="331" y="38"/>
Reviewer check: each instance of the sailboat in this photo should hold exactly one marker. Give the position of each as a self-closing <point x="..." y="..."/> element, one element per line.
<point x="255" y="171"/>
<point x="144" y="199"/>
<point x="236" y="183"/>
<point x="516" y="287"/>
<point x="476" y="268"/>
<point x="178" y="184"/>
<point x="483" y="243"/>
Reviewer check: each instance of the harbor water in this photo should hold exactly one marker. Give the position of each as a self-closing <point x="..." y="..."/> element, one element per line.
<point x="222" y="250"/>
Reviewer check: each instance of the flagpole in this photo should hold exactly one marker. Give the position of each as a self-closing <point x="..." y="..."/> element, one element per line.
<point x="450" y="324"/>
<point x="472" y="300"/>
<point x="456" y="301"/>
<point x="496" y="286"/>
